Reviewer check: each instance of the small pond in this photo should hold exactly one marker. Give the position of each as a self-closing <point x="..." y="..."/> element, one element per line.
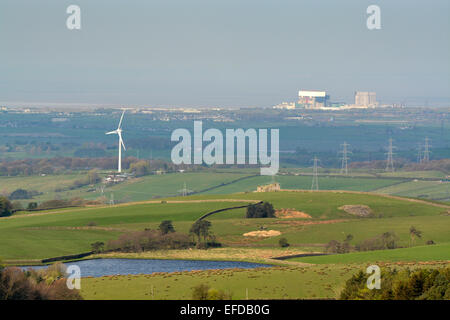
<point x="106" y="267"/>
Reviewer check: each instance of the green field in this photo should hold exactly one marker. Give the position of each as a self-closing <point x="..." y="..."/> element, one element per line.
<point x="267" y="283"/>
<point x="300" y="282"/>
<point x="433" y="190"/>
<point x="61" y="232"/>
<point x="227" y="181"/>
<point x="417" y="254"/>
<point x="67" y="231"/>
<point x="27" y="238"/>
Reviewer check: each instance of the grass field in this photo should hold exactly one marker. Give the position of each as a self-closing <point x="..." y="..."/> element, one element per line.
<point x="66" y="232"/>
<point x="294" y="282"/>
<point x="26" y="238"/>
<point x="61" y="232"/>
<point x="170" y="184"/>
<point x="422" y="253"/>
<point x="433" y="190"/>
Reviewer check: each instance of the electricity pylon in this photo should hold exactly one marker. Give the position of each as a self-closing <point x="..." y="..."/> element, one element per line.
<point x="426" y="151"/>
<point x="111" y="199"/>
<point x="315" y="180"/>
<point x="390" y="157"/>
<point x="185" y="191"/>
<point x="345" y="158"/>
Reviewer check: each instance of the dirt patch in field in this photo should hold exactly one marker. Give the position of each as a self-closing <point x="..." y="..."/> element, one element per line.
<point x="291" y="213"/>
<point x="359" y="210"/>
<point x="262" y="233"/>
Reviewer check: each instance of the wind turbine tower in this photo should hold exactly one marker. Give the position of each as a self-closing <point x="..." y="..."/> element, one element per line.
<point x="315" y="180"/>
<point x="345" y="158"/>
<point x="118" y="131"/>
<point x="390" y="158"/>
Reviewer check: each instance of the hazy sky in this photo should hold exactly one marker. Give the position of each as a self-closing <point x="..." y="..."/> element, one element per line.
<point x="222" y="52"/>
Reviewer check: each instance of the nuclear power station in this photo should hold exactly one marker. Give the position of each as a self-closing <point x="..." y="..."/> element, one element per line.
<point x="320" y="100"/>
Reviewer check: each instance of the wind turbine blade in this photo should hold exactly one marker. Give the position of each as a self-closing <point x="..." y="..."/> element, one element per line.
<point x="112" y="132"/>
<point x="121" y="141"/>
<point x="120" y="122"/>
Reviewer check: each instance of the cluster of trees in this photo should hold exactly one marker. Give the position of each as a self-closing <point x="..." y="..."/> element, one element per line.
<point x="149" y="240"/>
<point x="335" y="246"/>
<point x="6" y="208"/>
<point x="386" y="240"/>
<point x="163" y="238"/>
<point x="260" y="210"/>
<point x="20" y="194"/>
<point x="205" y="238"/>
<point x="438" y="165"/>
<point x="92" y="177"/>
<point x="422" y="284"/>
<point x="27" y="167"/>
<point x="205" y="292"/>
<point x="45" y="284"/>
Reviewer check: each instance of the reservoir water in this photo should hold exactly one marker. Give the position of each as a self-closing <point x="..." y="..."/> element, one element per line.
<point x="105" y="267"/>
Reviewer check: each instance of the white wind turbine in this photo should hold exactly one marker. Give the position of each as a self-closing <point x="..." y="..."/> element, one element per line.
<point x="118" y="131"/>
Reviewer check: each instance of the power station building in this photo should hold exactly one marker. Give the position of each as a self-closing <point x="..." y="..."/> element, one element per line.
<point x="368" y="99"/>
<point x="312" y="99"/>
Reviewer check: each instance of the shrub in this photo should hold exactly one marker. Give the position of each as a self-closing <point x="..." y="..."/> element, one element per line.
<point x="335" y="246"/>
<point x="204" y="292"/>
<point x="32" y="205"/>
<point x="260" y="210"/>
<point x="200" y="292"/>
<point x="201" y="229"/>
<point x="421" y="284"/>
<point x="149" y="240"/>
<point x="166" y="227"/>
<point x="283" y="243"/>
<point x="46" y="284"/>
<point x="20" y="194"/>
<point x="387" y="240"/>
<point x="5" y="207"/>
<point x="97" y="247"/>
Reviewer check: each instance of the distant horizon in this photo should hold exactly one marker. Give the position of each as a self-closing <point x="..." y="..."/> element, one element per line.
<point x="414" y="102"/>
